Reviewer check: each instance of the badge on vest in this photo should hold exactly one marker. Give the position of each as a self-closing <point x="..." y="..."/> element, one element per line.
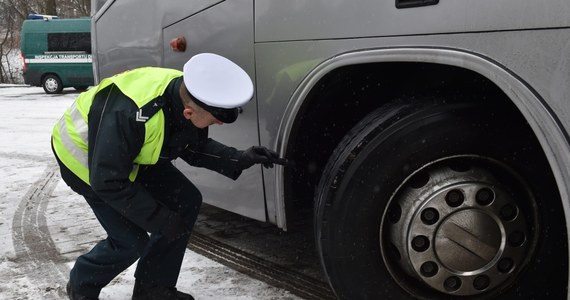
<point x="148" y="110"/>
<point x="140" y="117"/>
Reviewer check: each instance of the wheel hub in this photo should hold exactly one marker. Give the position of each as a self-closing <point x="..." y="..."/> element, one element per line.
<point x="51" y="84"/>
<point x="460" y="231"/>
<point x="468" y="240"/>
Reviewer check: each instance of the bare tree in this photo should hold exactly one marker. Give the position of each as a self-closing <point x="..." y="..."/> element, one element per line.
<point x="8" y="42"/>
<point x="51" y="7"/>
<point x="76" y="8"/>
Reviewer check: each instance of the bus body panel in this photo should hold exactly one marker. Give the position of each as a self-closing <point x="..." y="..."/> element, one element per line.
<point x="131" y="40"/>
<point x="324" y="19"/>
<point x="135" y="39"/>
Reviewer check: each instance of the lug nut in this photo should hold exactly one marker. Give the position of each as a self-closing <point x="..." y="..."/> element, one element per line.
<point x="485" y="196"/>
<point x="452" y="284"/>
<point x="481" y="282"/>
<point x="505" y="265"/>
<point x="516" y="239"/>
<point x="454" y="198"/>
<point x="429" y="269"/>
<point x="509" y="212"/>
<point x="430" y="216"/>
<point x="420" y="243"/>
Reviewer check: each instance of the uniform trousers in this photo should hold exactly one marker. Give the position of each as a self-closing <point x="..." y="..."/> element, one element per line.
<point x="160" y="259"/>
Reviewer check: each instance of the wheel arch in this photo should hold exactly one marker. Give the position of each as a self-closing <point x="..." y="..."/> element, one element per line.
<point x="545" y="124"/>
<point x="47" y="73"/>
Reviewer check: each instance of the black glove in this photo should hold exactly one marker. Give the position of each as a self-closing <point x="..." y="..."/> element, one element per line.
<point x="174" y="228"/>
<point x="257" y="155"/>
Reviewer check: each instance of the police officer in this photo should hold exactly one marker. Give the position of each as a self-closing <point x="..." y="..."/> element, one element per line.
<point x="115" y="145"/>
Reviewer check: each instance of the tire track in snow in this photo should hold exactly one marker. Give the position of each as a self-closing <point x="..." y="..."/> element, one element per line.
<point x="27" y="157"/>
<point x="35" y="249"/>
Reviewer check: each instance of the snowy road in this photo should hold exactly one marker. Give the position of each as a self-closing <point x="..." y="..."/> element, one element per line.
<point x="44" y="226"/>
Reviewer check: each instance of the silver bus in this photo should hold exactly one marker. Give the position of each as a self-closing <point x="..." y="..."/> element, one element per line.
<point x="430" y="138"/>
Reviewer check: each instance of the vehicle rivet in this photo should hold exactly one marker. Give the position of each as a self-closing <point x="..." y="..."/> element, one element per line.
<point x="420" y="243"/>
<point x="452" y="283"/>
<point x="430" y="216"/>
<point x="429" y="269"/>
<point x="454" y="198"/>
<point x="485" y="196"/>
<point x="481" y="282"/>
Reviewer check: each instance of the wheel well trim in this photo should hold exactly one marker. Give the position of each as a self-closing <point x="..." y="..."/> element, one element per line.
<point x="44" y="75"/>
<point x="533" y="107"/>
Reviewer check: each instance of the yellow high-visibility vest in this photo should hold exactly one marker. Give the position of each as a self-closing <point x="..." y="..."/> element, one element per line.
<point x="69" y="135"/>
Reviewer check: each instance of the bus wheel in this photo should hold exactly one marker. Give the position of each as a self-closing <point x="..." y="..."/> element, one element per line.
<point x="439" y="201"/>
<point x="52" y="84"/>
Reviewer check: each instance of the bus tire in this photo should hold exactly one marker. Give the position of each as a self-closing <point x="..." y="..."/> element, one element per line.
<point x="52" y="84"/>
<point x="436" y="201"/>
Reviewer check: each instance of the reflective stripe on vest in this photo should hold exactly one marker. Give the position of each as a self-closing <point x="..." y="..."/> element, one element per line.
<point x="141" y="85"/>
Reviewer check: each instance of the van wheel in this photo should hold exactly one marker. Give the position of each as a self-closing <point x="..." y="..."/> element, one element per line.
<point x="52" y="84"/>
<point x="439" y="201"/>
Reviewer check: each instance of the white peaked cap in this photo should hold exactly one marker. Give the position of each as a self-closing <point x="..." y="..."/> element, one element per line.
<point x="217" y="81"/>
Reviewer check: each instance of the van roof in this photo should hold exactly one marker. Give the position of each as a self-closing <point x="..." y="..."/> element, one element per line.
<point x="58" y="25"/>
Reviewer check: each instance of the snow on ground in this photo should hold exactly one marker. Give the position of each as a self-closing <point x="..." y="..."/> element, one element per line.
<point x="27" y="115"/>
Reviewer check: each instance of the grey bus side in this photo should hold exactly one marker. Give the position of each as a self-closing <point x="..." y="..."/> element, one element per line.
<point x="432" y="135"/>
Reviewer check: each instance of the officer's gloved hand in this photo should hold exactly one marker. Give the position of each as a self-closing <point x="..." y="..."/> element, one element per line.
<point x="257" y="155"/>
<point x="174" y="228"/>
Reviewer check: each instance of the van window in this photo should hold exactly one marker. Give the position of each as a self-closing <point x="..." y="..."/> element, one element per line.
<point x="69" y="41"/>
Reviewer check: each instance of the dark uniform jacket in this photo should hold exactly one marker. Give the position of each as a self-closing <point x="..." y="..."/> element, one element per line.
<point x="116" y="137"/>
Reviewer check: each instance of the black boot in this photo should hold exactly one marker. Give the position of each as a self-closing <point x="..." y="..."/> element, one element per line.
<point x="73" y="295"/>
<point x="144" y="291"/>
